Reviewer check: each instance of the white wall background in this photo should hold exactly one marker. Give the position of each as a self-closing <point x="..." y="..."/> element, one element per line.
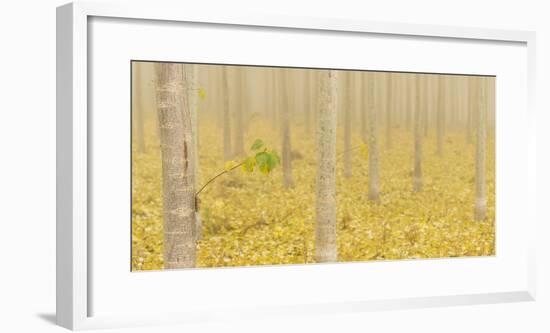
<point x="27" y="166"/>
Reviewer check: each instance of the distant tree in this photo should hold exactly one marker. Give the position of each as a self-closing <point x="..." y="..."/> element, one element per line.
<point x="227" y="149"/>
<point x="374" y="174"/>
<point x="138" y="107"/>
<point x="440" y="113"/>
<point x="419" y="109"/>
<point x="347" y="123"/>
<point x="325" y="228"/>
<point x="239" y="103"/>
<point x="178" y="178"/>
<point x="389" y="109"/>
<point x="307" y="100"/>
<point x="363" y="110"/>
<point x="470" y="109"/>
<point x="409" y="99"/>
<point x="285" y="130"/>
<point x="481" y="147"/>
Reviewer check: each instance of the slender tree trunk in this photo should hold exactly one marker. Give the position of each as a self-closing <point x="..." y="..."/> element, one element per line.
<point x="470" y="109"/>
<point x="325" y="228"/>
<point x="138" y="107"/>
<point x="307" y="101"/>
<point x="192" y="83"/>
<point x="427" y="103"/>
<point x="227" y="153"/>
<point x="365" y="84"/>
<point x="408" y="101"/>
<point x="178" y="178"/>
<point x="389" y="109"/>
<point x="347" y="125"/>
<point x="374" y="175"/>
<point x="419" y="109"/>
<point x="441" y="81"/>
<point x="481" y="147"/>
<point x="238" y="134"/>
<point x="285" y="132"/>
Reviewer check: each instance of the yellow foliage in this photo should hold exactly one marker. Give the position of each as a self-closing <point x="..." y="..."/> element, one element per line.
<point x="250" y="219"/>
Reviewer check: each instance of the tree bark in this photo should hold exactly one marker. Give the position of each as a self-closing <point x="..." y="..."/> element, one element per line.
<point x="285" y="131"/>
<point x="441" y="81"/>
<point x="191" y="73"/>
<point x="389" y="109"/>
<point x="238" y="133"/>
<point x="419" y="109"/>
<point x="470" y="108"/>
<point x="325" y="229"/>
<point x="138" y="107"/>
<point x="307" y="101"/>
<point x="178" y="178"/>
<point x="347" y="125"/>
<point x="481" y="196"/>
<point x="409" y="98"/>
<point x="374" y="175"/>
<point x="227" y="153"/>
<point x="365" y="83"/>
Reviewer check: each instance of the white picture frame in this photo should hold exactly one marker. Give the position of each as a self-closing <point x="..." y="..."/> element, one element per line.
<point x="74" y="282"/>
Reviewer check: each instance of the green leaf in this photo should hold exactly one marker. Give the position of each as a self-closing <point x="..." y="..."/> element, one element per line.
<point x="262" y="160"/>
<point x="249" y="164"/>
<point x="257" y="145"/>
<point x="276" y="157"/>
<point x="229" y="165"/>
<point x="267" y="161"/>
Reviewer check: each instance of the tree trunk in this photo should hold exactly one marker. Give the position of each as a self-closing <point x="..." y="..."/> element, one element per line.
<point x="470" y="108"/>
<point x="227" y="153"/>
<point x="238" y="150"/>
<point x="365" y="84"/>
<point x="374" y="175"/>
<point x="325" y="228"/>
<point x="389" y="109"/>
<point x="285" y="130"/>
<point x="409" y="98"/>
<point x="307" y="101"/>
<point x="274" y="97"/>
<point x="481" y="196"/>
<point x="178" y="178"/>
<point x="419" y="109"/>
<point x="192" y="83"/>
<point x="347" y="125"/>
<point x="440" y="113"/>
<point x="138" y="107"/>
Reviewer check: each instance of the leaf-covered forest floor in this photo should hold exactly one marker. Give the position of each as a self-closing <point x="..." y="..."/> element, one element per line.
<point x="251" y="219"/>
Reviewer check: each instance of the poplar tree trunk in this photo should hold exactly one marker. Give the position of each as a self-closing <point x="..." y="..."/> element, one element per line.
<point x="419" y="109"/>
<point x="138" y="106"/>
<point x="307" y="101"/>
<point x="325" y="228"/>
<point x="227" y="153"/>
<point x="389" y="109"/>
<point x="470" y="108"/>
<point x="285" y="132"/>
<point x="481" y="196"/>
<point x="408" y="101"/>
<point x="347" y="125"/>
<point x="238" y="150"/>
<point x="192" y="83"/>
<point x="440" y="113"/>
<point x="374" y="177"/>
<point x="365" y="83"/>
<point x="178" y="178"/>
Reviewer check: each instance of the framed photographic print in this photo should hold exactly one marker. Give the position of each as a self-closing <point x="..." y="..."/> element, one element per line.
<point x="203" y="158"/>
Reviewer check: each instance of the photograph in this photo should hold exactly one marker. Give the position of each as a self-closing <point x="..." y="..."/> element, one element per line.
<point x="236" y="165"/>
